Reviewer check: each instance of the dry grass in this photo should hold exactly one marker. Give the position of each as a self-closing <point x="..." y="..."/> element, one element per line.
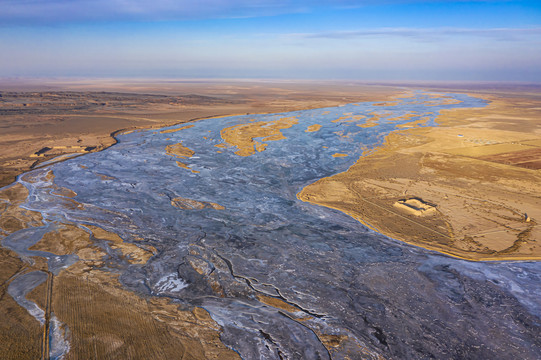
<point x="133" y="253"/>
<point x="179" y="150"/>
<point x="277" y="303"/>
<point x="76" y="115"/>
<point x="69" y="239"/>
<point x="477" y="151"/>
<point x="12" y="217"/>
<point x="107" y="322"/>
<point x="190" y="204"/>
<point x="481" y="205"/>
<point x="20" y="333"/>
<point x="313" y="128"/>
<point x="177" y="129"/>
<point x="242" y="136"/>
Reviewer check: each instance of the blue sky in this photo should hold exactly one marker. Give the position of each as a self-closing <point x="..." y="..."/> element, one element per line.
<point x="284" y="39"/>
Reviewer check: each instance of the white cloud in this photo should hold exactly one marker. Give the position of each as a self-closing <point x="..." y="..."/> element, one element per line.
<point x="51" y="11"/>
<point x="60" y="11"/>
<point x="425" y="34"/>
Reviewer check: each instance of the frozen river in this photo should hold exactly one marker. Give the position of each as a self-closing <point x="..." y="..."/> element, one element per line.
<point x="229" y="232"/>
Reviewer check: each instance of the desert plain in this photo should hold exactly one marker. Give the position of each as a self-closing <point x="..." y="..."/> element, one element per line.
<point x="464" y="188"/>
<point x="467" y="186"/>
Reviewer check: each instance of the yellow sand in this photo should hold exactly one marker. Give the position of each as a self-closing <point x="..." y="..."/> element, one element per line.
<point x="175" y="130"/>
<point x="348" y="118"/>
<point x="134" y="253"/>
<point x="462" y="206"/>
<point x="62" y="191"/>
<point x="388" y="103"/>
<point x="190" y="204"/>
<point x="179" y="150"/>
<point x="536" y="142"/>
<point x="374" y="119"/>
<point x="242" y="136"/>
<point x="184" y="166"/>
<point x="488" y="149"/>
<point x="413" y="124"/>
<point x="70" y="239"/>
<point x="403" y="117"/>
<point x="277" y="303"/>
<point x="313" y="128"/>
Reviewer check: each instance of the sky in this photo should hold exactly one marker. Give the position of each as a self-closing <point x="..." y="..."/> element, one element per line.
<point x="385" y="40"/>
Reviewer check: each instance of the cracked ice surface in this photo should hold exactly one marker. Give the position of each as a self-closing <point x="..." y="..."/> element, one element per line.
<point x="324" y="273"/>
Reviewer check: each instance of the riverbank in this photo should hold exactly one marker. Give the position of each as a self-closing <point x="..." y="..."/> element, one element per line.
<point x="232" y="234"/>
<point x="467" y="188"/>
<point x="43" y="123"/>
<point x="42" y="120"/>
